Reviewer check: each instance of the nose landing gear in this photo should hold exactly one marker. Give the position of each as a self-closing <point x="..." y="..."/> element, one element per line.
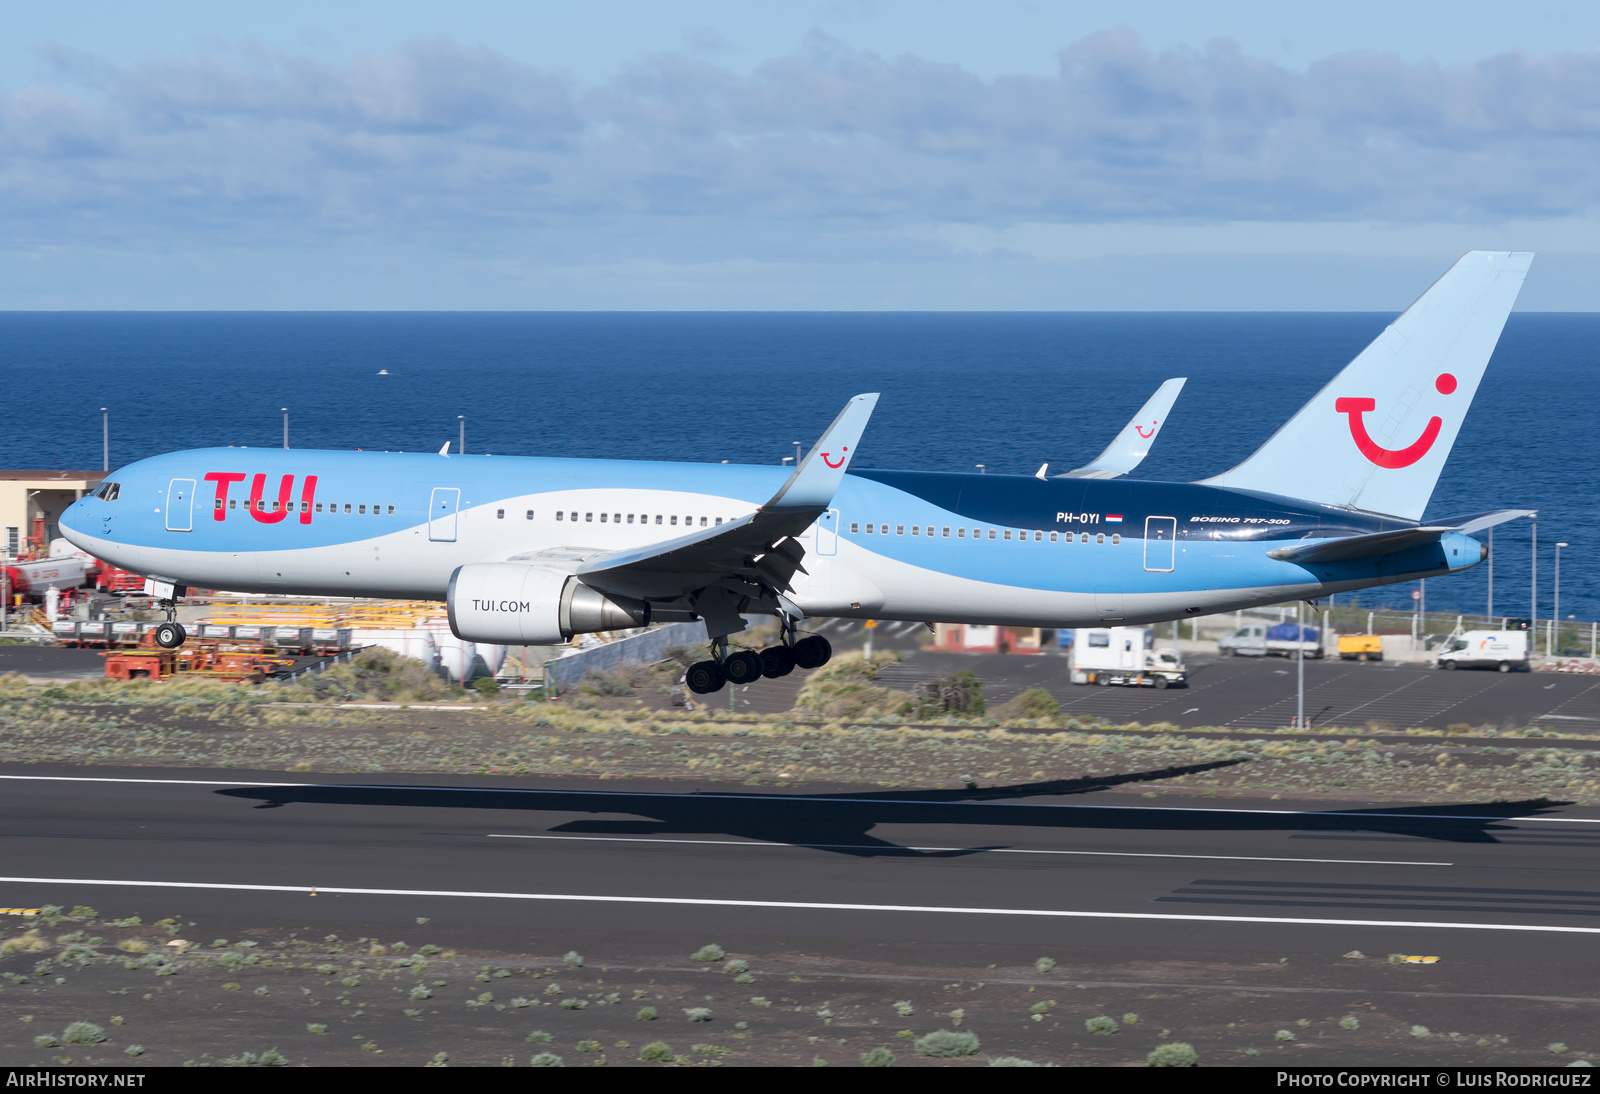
<point x="170" y="635"/>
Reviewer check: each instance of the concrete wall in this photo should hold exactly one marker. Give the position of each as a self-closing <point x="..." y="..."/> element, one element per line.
<point x="651" y="646"/>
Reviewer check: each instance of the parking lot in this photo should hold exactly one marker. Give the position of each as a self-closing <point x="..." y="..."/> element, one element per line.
<point x="1259" y="693"/>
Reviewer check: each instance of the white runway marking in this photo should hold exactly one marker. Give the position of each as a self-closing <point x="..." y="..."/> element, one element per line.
<point x="969" y="850"/>
<point x="802" y="905"/>
<point x="775" y="798"/>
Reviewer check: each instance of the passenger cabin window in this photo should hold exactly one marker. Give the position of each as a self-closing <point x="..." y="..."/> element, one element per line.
<point x="961" y="533"/>
<point x="658" y="518"/>
<point x="991" y="534"/>
<point x="674" y="518"/>
<point x="616" y="518"/>
<point x="319" y="507"/>
<point x="1101" y="538"/>
<point x="900" y="529"/>
<point x="702" y="522"/>
<point x="946" y="533"/>
<point x="854" y="528"/>
<point x="560" y="513"/>
<point x="530" y="514"/>
<point x="915" y="528"/>
<point x="588" y="516"/>
<point x="1115" y="540"/>
<point x="347" y="507"/>
<point x="219" y="503"/>
<point x="499" y="514"/>
<point x="1054" y="536"/>
<point x="630" y="518"/>
<point x="1084" y="538"/>
<point x="1007" y="535"/>
<point x="1039" y="536"/>
<point x="602" y="518"/>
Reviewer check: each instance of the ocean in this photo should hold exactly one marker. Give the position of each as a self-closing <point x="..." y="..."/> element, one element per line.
<point x="1006" y="390"/>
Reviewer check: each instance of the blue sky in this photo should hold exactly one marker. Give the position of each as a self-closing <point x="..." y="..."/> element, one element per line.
<point x="720" y="155"/>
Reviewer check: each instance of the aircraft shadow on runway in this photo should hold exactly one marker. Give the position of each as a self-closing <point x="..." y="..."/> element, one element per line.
<point x="841" y="823"/>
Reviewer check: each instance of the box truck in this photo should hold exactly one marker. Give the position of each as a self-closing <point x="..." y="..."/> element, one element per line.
<point x="1506" y="651"/>
<point x="1124" y="657"/>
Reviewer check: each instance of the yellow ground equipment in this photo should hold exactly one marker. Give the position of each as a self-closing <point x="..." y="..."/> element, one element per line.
<point x="1361" y="647"/>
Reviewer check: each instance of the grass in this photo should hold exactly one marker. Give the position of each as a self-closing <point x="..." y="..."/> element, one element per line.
<point x="947" y="1043"/>
<point x="1173" y="1054"/>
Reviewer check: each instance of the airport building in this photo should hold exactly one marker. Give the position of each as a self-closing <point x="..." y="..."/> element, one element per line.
<point x="32" y="501"/>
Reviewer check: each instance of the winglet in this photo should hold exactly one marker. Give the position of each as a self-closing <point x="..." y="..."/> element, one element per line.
<point x="1132" y="445"/>
<point x="445" y="451"/>
<point x="813" y="483"/>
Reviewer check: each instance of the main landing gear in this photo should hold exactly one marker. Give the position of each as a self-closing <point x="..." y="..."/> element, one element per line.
<point x="747" y="666"/>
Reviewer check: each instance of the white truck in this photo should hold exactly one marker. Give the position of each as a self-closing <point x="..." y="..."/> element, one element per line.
<point x="1506" y="651"/>
<point x="1276" y="640"/>
<point x="1124" y="657"/>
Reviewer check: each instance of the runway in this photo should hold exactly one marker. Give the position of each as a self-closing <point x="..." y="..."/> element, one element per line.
<point x="1512" y="880"/>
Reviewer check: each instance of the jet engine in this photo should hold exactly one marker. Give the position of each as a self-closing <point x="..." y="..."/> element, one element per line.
<point x="512" y="604"/>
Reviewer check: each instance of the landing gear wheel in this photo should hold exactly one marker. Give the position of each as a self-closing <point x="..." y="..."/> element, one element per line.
<point x="812" y="652"/>
<point x="743" y="667"/>
<point x="777" y="661"/>
<point x="704" y="677"/>
<point x="169" y="636"/>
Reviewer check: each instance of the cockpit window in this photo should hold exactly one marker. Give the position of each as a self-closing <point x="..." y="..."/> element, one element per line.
<point x="108" y="491"/>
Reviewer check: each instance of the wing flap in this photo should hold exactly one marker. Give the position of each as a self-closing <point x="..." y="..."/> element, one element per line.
<point x="758" y="547"/>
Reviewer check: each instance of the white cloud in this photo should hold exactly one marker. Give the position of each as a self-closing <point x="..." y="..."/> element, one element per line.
<point x="827" y="154"/>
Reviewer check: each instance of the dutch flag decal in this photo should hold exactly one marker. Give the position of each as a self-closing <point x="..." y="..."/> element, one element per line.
<point x="1113" y="518"/>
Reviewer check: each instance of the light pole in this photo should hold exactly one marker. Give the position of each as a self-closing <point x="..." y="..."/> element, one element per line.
<point x="285" y="426"/>
<point x="461" y="446"/>
<point x="796" y="453"/>
<point x="1299" y="668"/>
<point x="1490" y="610"/>
<point x="105" y="439"/>
<point x="786" y="460"/>
<point x="1555" y="618"/>
<point x="981" y="469"/>
<point x="1533" y="593"/>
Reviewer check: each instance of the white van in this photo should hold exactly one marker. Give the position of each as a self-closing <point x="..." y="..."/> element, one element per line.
<point x="1503" y="650"/>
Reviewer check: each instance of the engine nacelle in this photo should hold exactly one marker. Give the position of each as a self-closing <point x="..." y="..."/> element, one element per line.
<point x="512" y="604"/>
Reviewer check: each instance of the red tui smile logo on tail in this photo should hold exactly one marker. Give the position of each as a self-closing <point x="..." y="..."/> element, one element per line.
<point x="1393" y="458"/>
<point x="830" y="463"/>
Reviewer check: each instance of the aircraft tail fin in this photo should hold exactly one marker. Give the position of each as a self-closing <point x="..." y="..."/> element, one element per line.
<point x="1378" y="435"/>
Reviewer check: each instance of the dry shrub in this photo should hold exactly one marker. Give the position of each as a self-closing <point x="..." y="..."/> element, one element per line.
<point x="843" y="688"/>
<point x="374" y="674"/>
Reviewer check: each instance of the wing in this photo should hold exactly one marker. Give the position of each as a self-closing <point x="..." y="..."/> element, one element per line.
<point x="1132" y="445"/>
<point x="751" y="557"/>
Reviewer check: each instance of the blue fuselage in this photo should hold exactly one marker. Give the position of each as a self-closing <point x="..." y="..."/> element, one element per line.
<point x="893" y="544"/>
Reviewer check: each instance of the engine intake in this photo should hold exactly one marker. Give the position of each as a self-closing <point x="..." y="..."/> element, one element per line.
<point x="512" y="604"/>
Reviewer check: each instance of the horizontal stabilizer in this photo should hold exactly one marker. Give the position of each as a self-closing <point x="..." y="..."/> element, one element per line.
<point x="1132" y="445"/>
<point x="1378" y="435"/>
<point x="1383" y="543"/>
<point x="1479" y="521"/>
<point x="1354" y="547"/>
